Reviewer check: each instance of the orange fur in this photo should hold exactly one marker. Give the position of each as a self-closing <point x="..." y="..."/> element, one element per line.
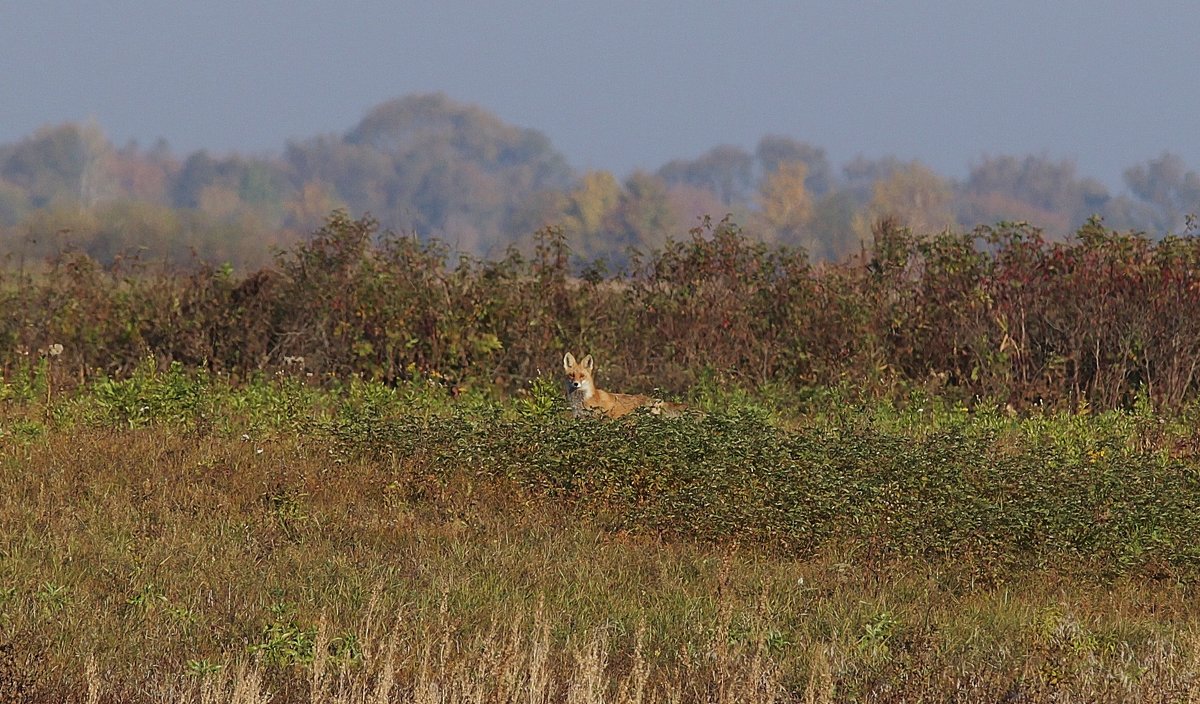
<point x="584" y="398"/>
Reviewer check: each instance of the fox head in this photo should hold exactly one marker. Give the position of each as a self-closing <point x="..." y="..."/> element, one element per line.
<point x="579" y="375"/>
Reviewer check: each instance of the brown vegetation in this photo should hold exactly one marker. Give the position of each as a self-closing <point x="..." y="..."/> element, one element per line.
<point x="999" y="313"/>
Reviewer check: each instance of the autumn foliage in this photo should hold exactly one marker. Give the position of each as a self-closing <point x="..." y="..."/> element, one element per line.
<point x="999" y="313"/>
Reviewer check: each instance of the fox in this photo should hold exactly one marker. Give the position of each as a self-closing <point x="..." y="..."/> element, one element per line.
<point x="585" y="399"/>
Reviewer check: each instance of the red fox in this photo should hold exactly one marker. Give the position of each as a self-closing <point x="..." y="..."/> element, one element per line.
<point x="584" y="398"/>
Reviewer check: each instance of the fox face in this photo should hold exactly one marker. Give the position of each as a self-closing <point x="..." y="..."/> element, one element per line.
<point x="579" y="375"/>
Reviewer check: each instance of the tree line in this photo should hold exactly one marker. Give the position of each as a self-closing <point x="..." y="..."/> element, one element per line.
<point x="430" y="166"/>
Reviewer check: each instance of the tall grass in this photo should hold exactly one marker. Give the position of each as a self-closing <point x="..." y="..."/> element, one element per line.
<point x="173" y="537"/>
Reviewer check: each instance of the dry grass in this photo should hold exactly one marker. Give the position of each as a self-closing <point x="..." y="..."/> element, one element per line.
<point x="168" y="565"/>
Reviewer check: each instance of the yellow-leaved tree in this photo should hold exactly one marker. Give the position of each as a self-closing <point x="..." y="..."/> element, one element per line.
<point x="589" y="210"/>
<point x="912" y="195"/>
<point x="785" y="205"/>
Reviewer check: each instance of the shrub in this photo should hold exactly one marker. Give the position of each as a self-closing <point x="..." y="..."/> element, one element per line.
<point x="999" y="313"/>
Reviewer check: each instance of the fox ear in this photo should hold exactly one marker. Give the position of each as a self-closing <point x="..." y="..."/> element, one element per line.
<point x="568" y="360"/>
<point x="587" y="362"/>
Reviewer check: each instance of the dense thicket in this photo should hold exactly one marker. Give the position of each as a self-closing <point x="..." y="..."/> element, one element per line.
<point x="997" y="313"/>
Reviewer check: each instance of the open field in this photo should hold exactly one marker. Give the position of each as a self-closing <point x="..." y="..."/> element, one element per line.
<point x="171" y="537"/>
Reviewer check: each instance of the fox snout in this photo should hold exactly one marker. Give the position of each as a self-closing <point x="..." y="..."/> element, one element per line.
<point x="580" y="383"/>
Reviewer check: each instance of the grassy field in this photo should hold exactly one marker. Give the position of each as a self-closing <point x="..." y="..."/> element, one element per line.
<point x="172" y="537"/>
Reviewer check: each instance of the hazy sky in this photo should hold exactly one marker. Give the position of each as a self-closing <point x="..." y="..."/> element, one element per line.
<point x="624" y="84"/>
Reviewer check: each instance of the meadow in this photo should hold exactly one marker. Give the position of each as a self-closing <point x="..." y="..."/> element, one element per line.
<point x="959" y="467"/>
<point x="173" y="536"/>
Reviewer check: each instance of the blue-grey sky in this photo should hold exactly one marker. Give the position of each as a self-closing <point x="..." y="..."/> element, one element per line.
<point x="626" y="84"/>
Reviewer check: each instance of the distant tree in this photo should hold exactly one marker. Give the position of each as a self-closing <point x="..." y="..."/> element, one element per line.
<point x="262" y="183"/>
<point x="358" y="175"/>
<point x="49" y="230"/>
<point x="1047" y="193"/>
<point x="727" y="171"/>
<point x="644" y="218"/>
<point x="689" y="205"/>
<point x="775" y="150"/>
<point x="1169" y="188"/>
<point x="62" y="163"/>
<point x="831" y="227"/>
<point x="913" y="195"/>
<point x="130" y="228"/>
<point x="198" y="172"/>
<point x="14" y="203"/>
<point x="589" y="210"/>
<point x="412" y="127"/>
<point x="118" y="228"/>
<point x="142" y="176"/>
<point x="427" y="164"/>
<point x="219" y="201"/>
<point x="990" y="207"/>
<point x="1126" y="212"/>
<point x="232" y="184"/>
<point x="310" y="207"/>
<point x="785" y="204"/>
<point x="861" y="174"/>
<point x="593" y="201"/>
